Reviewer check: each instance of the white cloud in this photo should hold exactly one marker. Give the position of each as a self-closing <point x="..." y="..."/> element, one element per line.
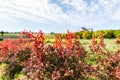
<point x="34" y="9"/>
<point x="2" y="16"/>
<point x="81" y="12"/>
<point x="116" y="16"/>
<point x="78" y="5"/>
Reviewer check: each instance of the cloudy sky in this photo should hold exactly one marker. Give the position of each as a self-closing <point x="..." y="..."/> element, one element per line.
<point x="59" y="15"/>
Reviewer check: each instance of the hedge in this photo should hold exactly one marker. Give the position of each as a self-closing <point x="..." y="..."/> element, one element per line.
<point x="96" y="34"/>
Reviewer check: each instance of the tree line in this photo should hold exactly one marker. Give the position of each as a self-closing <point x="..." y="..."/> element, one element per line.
<point x="89" y="35"/>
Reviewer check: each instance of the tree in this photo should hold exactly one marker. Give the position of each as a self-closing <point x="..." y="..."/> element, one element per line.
<point x="2" y="33"/>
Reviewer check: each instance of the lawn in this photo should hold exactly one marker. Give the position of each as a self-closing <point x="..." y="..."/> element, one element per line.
<point x="11" y="36"/>
<point x="110" y="44"/>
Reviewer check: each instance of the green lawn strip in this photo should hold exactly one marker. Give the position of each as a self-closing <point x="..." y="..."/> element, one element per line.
<point x="111" y="45"/>
<point x="2" y="65"/>
<point x="20" y="76"/>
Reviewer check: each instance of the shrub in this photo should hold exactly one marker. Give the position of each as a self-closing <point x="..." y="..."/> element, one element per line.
<point x="64" y="36"/>
<point x="117" y="33"/>
<point x="68" y="61"/>
<point x="13" y="53"/>
<point x="1" y="39"/>
<point x="108" y="65"/>
<point x="106" y="33"/>
<point x="98" y="33"/>
<point x="60" y="61"/>
<point x="79" y="34"/>
<point x="109" y="34"/>
<point x="87" y="35"/>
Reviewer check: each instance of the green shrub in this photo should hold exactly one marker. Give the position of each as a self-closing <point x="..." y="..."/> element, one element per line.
<point x="1" y="39"/>
<point x="109" y="34"/>
<point x="96" y="34"/>
<point x="117" y="33"/>
<point x="79" y="34"/>
<point x="87" y="35"/>
<point x="64" y="36"/>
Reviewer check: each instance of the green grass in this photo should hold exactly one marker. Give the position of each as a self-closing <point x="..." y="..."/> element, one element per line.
<point x="110" y="44"/>
<point x="17" y="76"/>
<point x="15" y="36"/>
<point x="11" y="36"/>
<point x="2" y="65"/>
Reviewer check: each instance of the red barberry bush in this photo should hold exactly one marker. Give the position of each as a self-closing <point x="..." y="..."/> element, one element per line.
<point x="59" y="61"/>
<point x="63" y="60"/>
<point x="13" y="53"/>
<point x="108" y="64"/>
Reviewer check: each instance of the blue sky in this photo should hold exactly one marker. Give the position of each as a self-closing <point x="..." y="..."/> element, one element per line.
<point x="59" y="15"/>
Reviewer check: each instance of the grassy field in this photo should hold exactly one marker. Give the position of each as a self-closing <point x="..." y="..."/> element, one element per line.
<point x="15" y="36"/>
<point x="17" y="76"/>
<point x="110" y="43"/>
<point x="1" y="70"/>
<point x="11" y="36"/>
